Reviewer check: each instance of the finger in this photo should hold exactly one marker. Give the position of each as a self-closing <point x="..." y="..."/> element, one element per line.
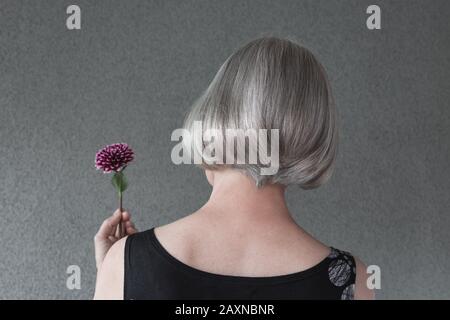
<point x="116" y="222"/>
<point x="115" y="232"/>
<point x="112" y="239"/>
<point x="108" y="226"/>
<point x="126" y="216"/>
<point x="130" y="224"/>
<point x="131" y="230"/>
<point x="118" y="231"/>
<point x="122" y="229"/>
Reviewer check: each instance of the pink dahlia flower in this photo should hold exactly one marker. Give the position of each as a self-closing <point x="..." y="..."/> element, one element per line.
<point x="114" y="157"/>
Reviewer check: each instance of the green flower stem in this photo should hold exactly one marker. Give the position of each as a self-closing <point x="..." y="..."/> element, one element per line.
<point x="120" y="184"/>
<point x="120" y="201"/>
<point x="120" y="227"/>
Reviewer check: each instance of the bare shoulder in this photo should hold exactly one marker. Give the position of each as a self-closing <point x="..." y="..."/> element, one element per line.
<point x="110" y="276"/>
<point x="175" y="237"/>
<point x="362" y="292"/>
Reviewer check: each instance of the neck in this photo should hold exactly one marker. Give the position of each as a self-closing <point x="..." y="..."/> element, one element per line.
<point x="236" y="198"/>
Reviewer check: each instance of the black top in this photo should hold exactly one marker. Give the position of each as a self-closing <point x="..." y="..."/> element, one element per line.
<point x="152" y="273"/>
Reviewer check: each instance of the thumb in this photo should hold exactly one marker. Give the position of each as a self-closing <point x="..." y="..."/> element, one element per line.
<point x="109" y="225"/>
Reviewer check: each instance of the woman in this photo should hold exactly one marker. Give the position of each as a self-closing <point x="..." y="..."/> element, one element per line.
<point x="243" y="243"/>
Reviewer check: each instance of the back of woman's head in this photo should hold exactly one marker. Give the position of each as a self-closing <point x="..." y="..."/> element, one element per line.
<point x="273" y="83"/>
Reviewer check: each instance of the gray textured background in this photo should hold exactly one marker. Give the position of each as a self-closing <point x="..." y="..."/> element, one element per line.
<point x="131" y="73"/>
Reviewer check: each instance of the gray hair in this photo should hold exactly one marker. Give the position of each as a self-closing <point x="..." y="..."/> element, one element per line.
<point x="273" y="83"/>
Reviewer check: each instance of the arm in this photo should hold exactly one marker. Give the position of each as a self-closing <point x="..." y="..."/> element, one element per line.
<point x="109" y="256"/>
<point x="362" y="292"/>
<point x="110" y="275"/>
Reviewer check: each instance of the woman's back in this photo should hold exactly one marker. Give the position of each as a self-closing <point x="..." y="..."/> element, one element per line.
<point x="213" y="254"/>
<point x="152" y="272"/>
<point x="224" y="243"/>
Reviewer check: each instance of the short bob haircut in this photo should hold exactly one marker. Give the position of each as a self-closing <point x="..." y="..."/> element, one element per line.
<point x="273" y="83"/>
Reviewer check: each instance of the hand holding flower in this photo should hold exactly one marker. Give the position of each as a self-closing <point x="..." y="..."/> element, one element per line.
<point x="107" y="234"/>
